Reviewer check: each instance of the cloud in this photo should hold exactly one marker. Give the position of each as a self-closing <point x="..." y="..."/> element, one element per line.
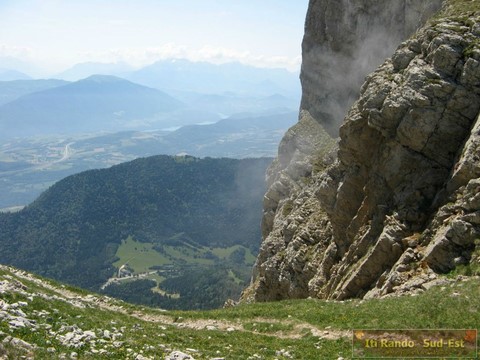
<point x="21" y="52"/>
<point x="139" y="57"/>
<point x="218" y="55"/>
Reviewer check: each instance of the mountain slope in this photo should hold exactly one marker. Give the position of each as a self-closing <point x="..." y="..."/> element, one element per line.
<point x="42" y="319"/>
<point x="28" y="167"/>
<point x="10" y="75"/>
<point x="93" y="104"/>
<point x="12" y="90"/>
<point x="396" y="202"/>
<point x="231" y="137"/>
<point x="87" y="69"/>
<point x="72" y="231"/>
<point x="230" y="103"/>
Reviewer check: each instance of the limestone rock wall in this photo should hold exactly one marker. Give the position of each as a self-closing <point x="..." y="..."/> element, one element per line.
<point x="344" y="41"/>
<point x="397" y="200"/>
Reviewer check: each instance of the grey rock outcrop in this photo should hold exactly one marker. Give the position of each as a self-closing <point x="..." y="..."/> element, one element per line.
<point x="178" y="355"/>
<point x="344" y="41"/>
<point x="397" y="201"/>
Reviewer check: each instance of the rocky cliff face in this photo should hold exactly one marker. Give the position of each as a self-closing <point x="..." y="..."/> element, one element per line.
<point x="344" y="41"/>
<point x="397" y="200"/>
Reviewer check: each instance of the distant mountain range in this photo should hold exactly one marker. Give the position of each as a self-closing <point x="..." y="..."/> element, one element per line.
<point x="228" y="103"/>
<point x="12" y="68"/>
<point x="97" y="103"/>
<point x="84" y="70"/>
<point x="168" y="93"/>
<point x="10" y="75"/>
<point x="12" y="90"/>
<point x="207" y="78"/>
<point x="182" y="75"/>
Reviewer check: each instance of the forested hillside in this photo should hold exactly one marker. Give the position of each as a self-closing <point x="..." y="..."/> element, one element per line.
<point x="178" y="206"/>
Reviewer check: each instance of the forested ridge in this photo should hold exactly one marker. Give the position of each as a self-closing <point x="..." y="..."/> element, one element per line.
<point x="73" y="230"/>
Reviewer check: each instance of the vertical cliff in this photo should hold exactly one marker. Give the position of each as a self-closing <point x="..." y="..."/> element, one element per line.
<point x="397" y="200"/>
<point x="344" y="41"/>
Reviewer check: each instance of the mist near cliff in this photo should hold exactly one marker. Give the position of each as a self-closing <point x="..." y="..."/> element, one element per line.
<point x="346" y="40"/>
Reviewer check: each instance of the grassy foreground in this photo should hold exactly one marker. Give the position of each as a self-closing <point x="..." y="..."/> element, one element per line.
<point x="71" y="323"/>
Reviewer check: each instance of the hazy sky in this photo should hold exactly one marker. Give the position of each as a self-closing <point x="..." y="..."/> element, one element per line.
<point x="56" y="34"/>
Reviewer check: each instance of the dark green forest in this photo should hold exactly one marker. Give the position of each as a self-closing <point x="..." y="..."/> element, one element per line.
<point x="73" y="230"/>
<point x="201" y="288"/>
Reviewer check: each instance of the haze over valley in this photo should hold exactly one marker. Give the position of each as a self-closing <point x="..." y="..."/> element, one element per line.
<point x="54" y="128"/>
<point x="58" y="129"/>
<point x="184" y="135"/>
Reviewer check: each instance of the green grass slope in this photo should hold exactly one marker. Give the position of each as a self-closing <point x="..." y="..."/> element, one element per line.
<point x="59" y="321"/>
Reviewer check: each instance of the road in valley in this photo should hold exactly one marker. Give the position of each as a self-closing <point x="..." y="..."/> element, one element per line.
<point x="66" y="152"/>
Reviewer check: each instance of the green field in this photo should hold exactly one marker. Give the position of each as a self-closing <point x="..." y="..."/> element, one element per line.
<point x="180" y="269"/>
<point x="139" y="256"/>
<point x="142" y="256"/>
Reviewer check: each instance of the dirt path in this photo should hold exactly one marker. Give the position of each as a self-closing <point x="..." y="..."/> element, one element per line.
<point x="298" y="329"/>
<point x="295" y="329"/>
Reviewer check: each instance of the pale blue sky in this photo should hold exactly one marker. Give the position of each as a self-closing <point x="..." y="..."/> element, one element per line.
<point x="59" y="33"/>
